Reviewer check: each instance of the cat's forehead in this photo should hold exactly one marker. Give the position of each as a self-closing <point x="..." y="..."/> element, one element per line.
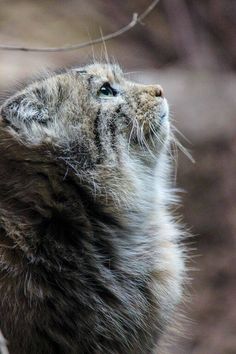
<point x="110" y="72"/>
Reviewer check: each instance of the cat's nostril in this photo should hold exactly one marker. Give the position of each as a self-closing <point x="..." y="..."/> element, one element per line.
<point x="159" y="91"/>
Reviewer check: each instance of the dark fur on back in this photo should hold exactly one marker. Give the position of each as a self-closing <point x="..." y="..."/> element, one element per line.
<point x="79" y="272"/>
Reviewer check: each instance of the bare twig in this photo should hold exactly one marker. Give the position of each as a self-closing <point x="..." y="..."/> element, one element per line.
<point x="148" y="10"/>
<point x="3" y="345"/>
<point x="135" y="19"/>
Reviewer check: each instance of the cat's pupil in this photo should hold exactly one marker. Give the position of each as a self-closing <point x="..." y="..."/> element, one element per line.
<point x="107" y="90"/>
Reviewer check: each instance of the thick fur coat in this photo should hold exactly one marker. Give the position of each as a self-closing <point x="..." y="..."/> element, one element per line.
<point x="90" y="261"/>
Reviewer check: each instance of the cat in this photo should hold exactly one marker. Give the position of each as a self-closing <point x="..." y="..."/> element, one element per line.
<point x="90" y="254"/>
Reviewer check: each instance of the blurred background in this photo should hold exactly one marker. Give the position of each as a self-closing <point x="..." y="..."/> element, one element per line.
<point x="189" y="47"/>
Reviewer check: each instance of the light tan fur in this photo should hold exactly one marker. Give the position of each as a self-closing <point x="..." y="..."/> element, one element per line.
<point x="118" y="147"/>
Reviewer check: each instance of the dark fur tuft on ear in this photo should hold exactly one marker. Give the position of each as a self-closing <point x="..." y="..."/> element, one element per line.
<point x="22" y="109"/>
<point x="10" y="109"/>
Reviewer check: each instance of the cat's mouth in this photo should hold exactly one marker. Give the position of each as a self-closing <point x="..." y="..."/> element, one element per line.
<point x="153" y="130"/>
<point x="163" y="112"/>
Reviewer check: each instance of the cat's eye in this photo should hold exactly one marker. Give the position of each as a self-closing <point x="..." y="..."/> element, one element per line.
<point x="107" y="91"/>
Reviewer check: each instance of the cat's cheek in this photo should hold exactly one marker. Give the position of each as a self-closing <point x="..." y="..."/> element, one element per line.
<point x="112" y="103"/>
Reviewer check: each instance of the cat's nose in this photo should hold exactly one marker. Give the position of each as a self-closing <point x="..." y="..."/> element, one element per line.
<point x="155" y="90"/>
<point x="159" y="91"/>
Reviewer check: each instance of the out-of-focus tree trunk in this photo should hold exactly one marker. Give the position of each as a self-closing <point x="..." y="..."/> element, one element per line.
<point x="182" y="31"/>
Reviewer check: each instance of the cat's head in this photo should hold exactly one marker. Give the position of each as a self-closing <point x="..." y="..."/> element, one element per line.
<point x="90" y="117"/>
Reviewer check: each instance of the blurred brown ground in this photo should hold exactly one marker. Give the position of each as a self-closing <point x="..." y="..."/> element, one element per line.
<point x="189" y="47"/>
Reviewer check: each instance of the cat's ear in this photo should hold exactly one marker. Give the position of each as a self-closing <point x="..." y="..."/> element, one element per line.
<point x="20" y="109"/>
<point x="11" y="110"/>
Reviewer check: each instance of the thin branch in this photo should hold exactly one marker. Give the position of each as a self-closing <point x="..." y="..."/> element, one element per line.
<point x="148" y="10"/>
<point x="135" y="19"/>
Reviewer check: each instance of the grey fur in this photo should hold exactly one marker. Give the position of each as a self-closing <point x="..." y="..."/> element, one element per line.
<point x="90" y="260"/>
